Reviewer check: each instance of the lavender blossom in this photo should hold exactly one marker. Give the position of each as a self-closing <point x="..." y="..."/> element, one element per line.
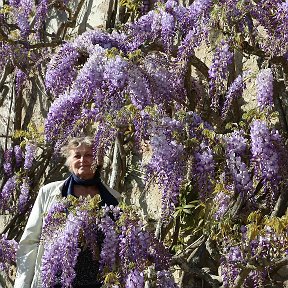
<point x="234" y="91"/>
<point x="235" y="149"/>
<point x="240" y="173"/>
<point x="18" y="155"/>
<point x="110" y="243"/>
<point x="60" y="255"/>
<point x="165" y="279"/>
<point x="61" y="70"/>
<point x="167" y="164"/>
<point x="7" y="165"/>
<point x="264" y="151"/>
<point x="7" y="192"/>
<point x="41" y="13"/>
<point x="236" y="143"/>
<point x="8" y="250"/>
<point x="135" y="279"/>
<point x="264" y="84"/>
<point x="223" y="200"/>
<point x="168" y="30"/>
<point x="24" y="195"/>
<point x="204" y="170"/>
<point x="218" y="72"/>
<point x="30" y="155"/>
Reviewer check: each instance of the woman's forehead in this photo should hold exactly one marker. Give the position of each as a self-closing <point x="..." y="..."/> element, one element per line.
<point x="82" y="148"/>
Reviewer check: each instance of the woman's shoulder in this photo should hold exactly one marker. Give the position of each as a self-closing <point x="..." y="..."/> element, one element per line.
<point x="50" y="187"/>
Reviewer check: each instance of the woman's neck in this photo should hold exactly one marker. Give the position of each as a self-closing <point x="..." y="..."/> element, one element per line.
<point x="80" y="190"/>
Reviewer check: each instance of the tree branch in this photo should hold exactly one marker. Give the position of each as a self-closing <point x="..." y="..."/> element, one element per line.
<point x="194" y="270"/>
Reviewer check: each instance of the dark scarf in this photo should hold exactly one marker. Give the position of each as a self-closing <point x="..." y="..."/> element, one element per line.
<point x="106" y="196"/>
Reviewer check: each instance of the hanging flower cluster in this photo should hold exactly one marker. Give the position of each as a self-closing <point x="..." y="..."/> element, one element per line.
<point x="127" y="250"/>
<point x="8" y="250"/>
<point x="255" y="252"/>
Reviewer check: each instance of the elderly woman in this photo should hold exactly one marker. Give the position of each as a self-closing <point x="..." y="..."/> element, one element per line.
<point x="83" y="181"/>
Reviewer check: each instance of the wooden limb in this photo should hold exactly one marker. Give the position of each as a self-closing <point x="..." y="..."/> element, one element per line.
<point x="280" y="90"/>
<point x="200" y="66"/>
<point x="6" y="71"/>
<point x="9" y="119"/>
<point x="188" y="250"/>
<point x="192" y="269"/>
<point x="281" y="204"/>
<point x="118" y="164"/>
<point x="176" y="233"/>
<point x="242" y="276"/>
<point x="61" y="32"/>
<point x="4" y="93"/>
<point x="279" y="264"/>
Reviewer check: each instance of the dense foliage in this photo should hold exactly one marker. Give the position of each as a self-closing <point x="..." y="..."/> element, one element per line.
<point x="219" y="163"/>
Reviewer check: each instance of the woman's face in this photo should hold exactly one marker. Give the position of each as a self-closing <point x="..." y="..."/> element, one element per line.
<point x="81" y="162"/>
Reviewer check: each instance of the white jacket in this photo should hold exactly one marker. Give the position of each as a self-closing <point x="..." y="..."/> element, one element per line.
<point x="29" y="254"/>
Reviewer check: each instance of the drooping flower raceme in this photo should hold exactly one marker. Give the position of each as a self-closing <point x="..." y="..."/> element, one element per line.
<point x="7" y="165"/>
<point x="222" y="199"/>
<point x="30" y="155"/>
<point x="264" y="84"/>
<point x="236" y="145"/>
<point x="264" y="151"/>
<point x="18" y="155"/>
<point x="24" y="194"/>
<point x="260" y="248"/>
<point x="135" y="279"/>
<point x="7" y="193"/>
<point x="61" y="70"/>
<point x="204" y="168"/>
<point x="166" y="163"/>
<point x="234" y="91"/>
<point x="8" y="250"/>
<point x="218" y="72"/>
<point x="74" y="223"/>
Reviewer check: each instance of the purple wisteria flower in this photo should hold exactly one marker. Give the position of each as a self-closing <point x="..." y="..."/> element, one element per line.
<point x="236" y="145"/>
<point x="24" y="194"/>
<point x="139" y="88"/>
<point x="30" y="154"/>
<point x="218" y="72"/>
<point x="8" y="250"/>
<point x="18" y="155"/>
<point x="264" y="84"/>
<point x="41" y="14"/>
<point x="135" y="279"/>
<point x="223" y="200"/>
<point x="7" y="192"/>
<point x="60" y="255"/>
<point x="234" y="91"/>
<point x="204" y="170"/>
<point x="194" y="21"/>
<point x="166" y="163"/>
<point x="165" y="279"/>
<point x="110" y="243"/>
<point x="127" y="249"/>
<point x="264" y="151"/>
<point x="168" y="30"/>
<point x="240" y="173"/>
<point x="24" y="8"/>
<point x="61" y="71"/>
<point x="262" y="248"/>
<point x="7" y="165"/>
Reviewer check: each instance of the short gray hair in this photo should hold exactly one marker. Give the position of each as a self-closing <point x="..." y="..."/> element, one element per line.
<point x="75" y="143"/>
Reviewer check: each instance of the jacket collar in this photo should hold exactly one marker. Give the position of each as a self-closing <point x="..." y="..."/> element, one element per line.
<point x="58" y="189"/>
